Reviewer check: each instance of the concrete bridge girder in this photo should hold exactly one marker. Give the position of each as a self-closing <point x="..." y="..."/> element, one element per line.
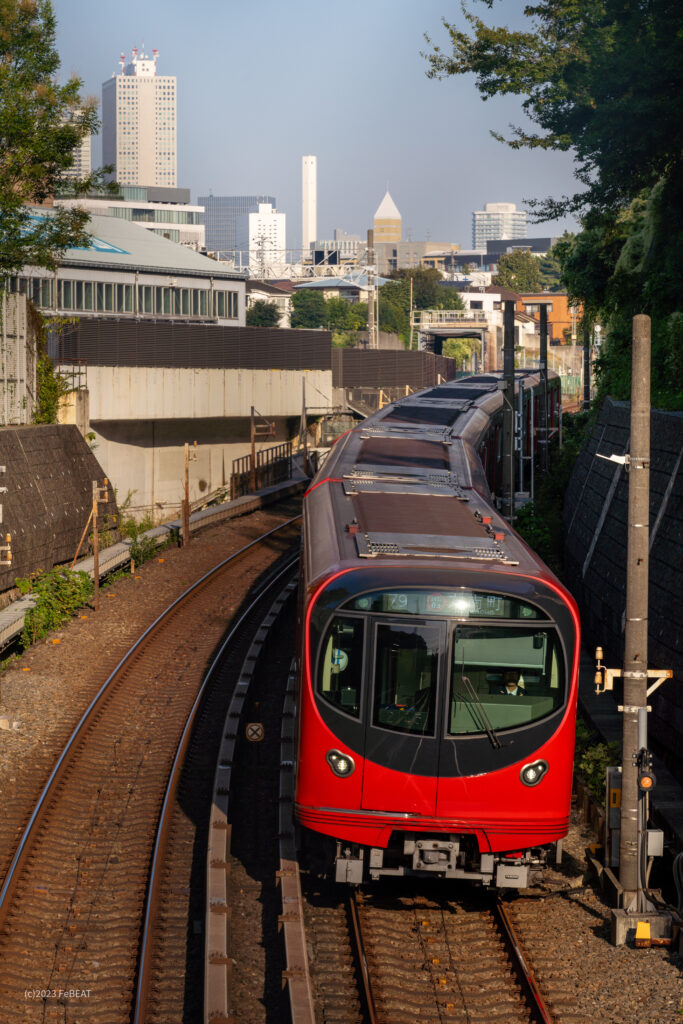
<point x="142" y="416"/>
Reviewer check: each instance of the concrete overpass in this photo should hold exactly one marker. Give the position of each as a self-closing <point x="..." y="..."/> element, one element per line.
<point x="433" y="326"/>
<point x="142" y="390"/>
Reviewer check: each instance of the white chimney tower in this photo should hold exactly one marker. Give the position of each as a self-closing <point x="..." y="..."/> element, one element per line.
<point x="309" y="201"/>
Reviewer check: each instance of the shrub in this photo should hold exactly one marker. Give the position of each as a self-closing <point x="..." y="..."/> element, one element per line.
<point x="58" y="594"/>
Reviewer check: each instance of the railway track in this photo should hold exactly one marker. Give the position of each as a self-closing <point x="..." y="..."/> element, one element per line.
<point x="73" y="901"/>
<point x="396" y="956"/>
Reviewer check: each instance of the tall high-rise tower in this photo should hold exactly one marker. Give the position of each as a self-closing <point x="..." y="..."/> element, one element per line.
<point x="139" y="123"/>
<point x="309" y="201"/>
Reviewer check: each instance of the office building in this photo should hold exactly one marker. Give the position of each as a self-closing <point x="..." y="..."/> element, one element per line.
<point x="165" y="211"/>
<point x="82" y="165"/>
<point x="497" y="220"/>
<point x="220" y="219"/>
<point x="309" y="202"/>
<point x="139" y="123"/>
<point x="260" y="240"/>
<point x="387" y="221"/>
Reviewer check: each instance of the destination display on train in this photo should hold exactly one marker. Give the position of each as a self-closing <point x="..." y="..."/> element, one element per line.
<point x="462" y="604"/>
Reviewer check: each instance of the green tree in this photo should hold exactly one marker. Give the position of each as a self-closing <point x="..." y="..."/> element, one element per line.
<point x="309" y="308"/>
<point x="460" y="349"/>
<point x="339" y="315"/>
<point x="599" y="77"/>
<point x="41" y="124"/>
<point x="263" y="314"/>
<point x="519" y="270"/>
<point x="550" y="265"/>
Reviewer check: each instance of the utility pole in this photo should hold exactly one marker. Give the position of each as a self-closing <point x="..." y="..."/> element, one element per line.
<point x="635" y="642"/>
<point x="99" y="494"/>
<point x="587" y="365"/>
<point x="637" y="779"/>
<point x="543" y="368"/>
<point x="371" y="289"/>
<point x="189" y="456"/>
<point x="410" y="346"/>
<point x="507" y="386"/>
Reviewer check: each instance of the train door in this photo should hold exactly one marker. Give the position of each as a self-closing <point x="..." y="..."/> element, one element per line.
<point x="403" y="716"/>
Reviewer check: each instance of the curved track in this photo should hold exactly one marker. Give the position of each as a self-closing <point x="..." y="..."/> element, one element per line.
<point x="72" y="902"/>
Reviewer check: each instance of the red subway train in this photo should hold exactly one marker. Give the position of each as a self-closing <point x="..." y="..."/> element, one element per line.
<point x="438" y="661"/>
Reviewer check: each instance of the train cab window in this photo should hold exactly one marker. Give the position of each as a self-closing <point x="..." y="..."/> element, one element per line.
<point x="503" y="677"/>
<point x="406" y="667"/>
<point x="340" y="670"/>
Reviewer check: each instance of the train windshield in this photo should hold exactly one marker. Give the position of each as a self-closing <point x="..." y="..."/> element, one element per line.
<point x="502" y="677"/>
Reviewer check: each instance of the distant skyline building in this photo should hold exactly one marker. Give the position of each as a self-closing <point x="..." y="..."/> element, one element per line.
<point x="220" y="218"/>
<point x="309" y="201"/>
<point x="497" y="220"/>
<point x="82" y="165"/>
<point x="387" y="221"/>
<point x="139" y="123"/>
<point x="260" y="237"/>
<point x="164" y="211"/>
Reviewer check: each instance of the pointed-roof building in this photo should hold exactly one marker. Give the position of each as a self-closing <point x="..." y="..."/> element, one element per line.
<point x="387" y="221"/>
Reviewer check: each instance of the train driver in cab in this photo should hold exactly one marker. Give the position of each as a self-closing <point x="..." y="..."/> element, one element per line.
<point x="513" y="684"/>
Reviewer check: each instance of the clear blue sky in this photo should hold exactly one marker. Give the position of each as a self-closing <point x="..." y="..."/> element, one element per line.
<point x="260" y="85"/>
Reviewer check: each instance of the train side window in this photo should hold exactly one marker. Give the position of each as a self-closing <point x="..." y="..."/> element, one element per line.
<point x="340" y="670"/>
<point x="406" y="667"/>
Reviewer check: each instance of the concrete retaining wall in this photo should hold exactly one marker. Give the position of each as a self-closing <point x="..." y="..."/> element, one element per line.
<point x="595" y="522"/>
<point x="17" y="361"/>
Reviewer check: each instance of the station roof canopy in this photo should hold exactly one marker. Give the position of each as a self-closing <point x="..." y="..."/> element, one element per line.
<point x="122" y="245"/>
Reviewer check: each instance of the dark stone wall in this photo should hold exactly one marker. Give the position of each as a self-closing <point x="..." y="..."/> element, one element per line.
<point x="595" y="521"/>
<point x="49" y="475"/>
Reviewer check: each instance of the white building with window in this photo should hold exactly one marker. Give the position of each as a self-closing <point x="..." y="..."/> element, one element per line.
<point x="497" y="220"/>
<point x="165" y="211"/>
<point x="261" y="238"/>
<point x="139" y="123"/>
<point x="126" y="272"/>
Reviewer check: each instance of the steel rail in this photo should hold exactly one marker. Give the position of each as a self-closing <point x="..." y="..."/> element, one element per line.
<point x="362" y="960"/>
<point x="540" y="1012"/>
<point x="296" y="973"/>
<point x="40" y="809"/>
<point x="163" y="827"/>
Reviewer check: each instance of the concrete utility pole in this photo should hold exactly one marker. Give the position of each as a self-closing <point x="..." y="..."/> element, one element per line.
<point x="543" y="368"/>
<point x="508" y="389"/>
<point x="635" y="642"/>
<point x="186" y="499"/>
<point x="98" y="494"/>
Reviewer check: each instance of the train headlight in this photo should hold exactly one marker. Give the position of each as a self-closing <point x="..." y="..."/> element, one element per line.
<point x="342" y="765"/>
<point x="531" y="774"/>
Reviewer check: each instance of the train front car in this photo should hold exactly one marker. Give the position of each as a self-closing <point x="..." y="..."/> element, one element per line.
<point x="439" y="666"/>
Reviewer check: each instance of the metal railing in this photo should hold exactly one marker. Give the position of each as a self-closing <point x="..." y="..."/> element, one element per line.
<point x="432" y="317"/>
<point x="273" y="465"/>
<point x="75" y="372"/>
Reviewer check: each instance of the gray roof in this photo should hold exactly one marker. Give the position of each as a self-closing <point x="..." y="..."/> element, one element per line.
<point x="122" y="245"/>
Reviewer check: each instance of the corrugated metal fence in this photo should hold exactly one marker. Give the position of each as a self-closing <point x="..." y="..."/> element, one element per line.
<point x="118" y="342"/>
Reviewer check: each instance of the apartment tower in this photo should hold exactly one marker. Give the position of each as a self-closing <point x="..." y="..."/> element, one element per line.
<point x="139" y="123"/>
